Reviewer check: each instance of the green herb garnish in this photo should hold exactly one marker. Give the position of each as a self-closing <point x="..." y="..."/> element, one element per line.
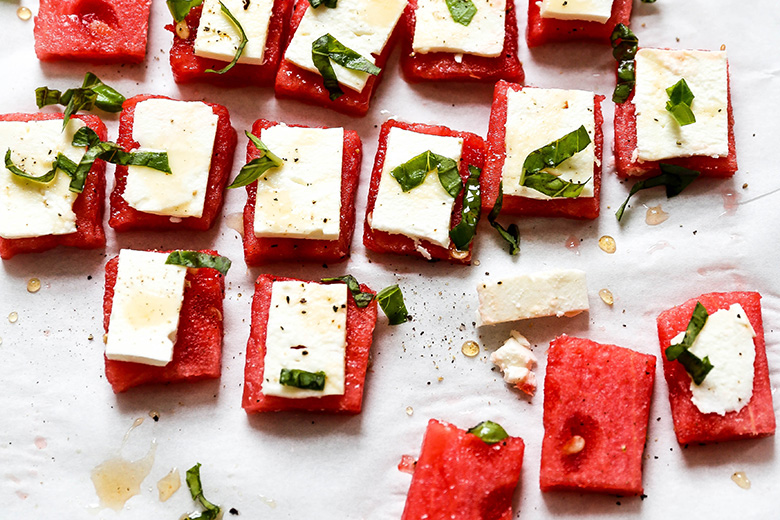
<point x="327" y="48"/>
<point x="327" y="3"/>
<point x="553" y="186"/>
<point x="675" y="178"/>
<point x="302" y="379"/>
<point x="196" y="490"/>
<point x="550" y="156"/>
<point x="46" y="178"/>
<point x="625" y="45"/>
<point x="198" y="260"/>
<point x="462" y="11"/>
<point x="92" y="93"/>
<point x="181" y="8"/>
<point x="241" y="45"/>
<point x="510" y="234"/>
<point x="648" y="1"/>
<point x="391" y="299"/>
<point x="489" y="432"/>
<point x="462" y="234"/>
<point x="413" y="172"/>
<point x="362" y="299"/>
<point x="697" y="368"/>
<point x="679" y="104"/>
<point x="256" y="167"/>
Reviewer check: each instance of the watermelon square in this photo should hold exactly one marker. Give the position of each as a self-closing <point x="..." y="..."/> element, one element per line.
<point x="596" y="407"/>
<point x="541" y="31"/>
<point x="267" y="250"/>
<point x="458" y="475"/>
<point x="124" y="217"/>
<point x="473" y="154"/>
<point x="197" y="352"/>
<point x="444" y="66"/>
<point x="92" y="30"/>
<point x="575" y="207"/>
<point x="189" y="68"/>
<point x="359" y="335"/>
<point x="88" y="206"/>
<point x="757" y="417"/>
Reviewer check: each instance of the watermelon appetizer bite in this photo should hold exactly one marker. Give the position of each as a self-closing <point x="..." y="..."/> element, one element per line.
<point x="596" y="407"/>
<point x="714" y="359"/>
<point x="302" y="204"/>
<point x="336" y="55"/>
<point x="566" y="20"/>
<point x="544" y="151"/>
<point x="100" y="31"/>
<point x="162" y="313"/>
<point x="308" y="347"/>
<point x="417" y="192"/>
<point x="480" y="45"/>
<point x="468" y="475"/>
<point x="200" y="144"/>
<point x="42" y="206"/>
<point x="206" y="42"/>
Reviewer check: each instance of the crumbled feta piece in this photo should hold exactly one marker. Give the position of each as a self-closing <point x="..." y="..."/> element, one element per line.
<point x="517" y="362"/>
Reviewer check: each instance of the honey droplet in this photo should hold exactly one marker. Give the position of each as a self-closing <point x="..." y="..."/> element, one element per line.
<point x="24" y="14"/>
<point x="13" y="317"/>
<point x="183" y="30"/>
<point x="33" y="285"/>
<point x="607" y="244"/>
<point x="606" y="296"/>
<point x="470" y="348"/>
<point x="655" y="215"/>
<point x="476" y="263"/>
<point x="409" y="411"/>
<point x="235" y="221"/>
<point x="169" y="484"/>
<point x="574" y="445"/>
<point x="741" y="480"/>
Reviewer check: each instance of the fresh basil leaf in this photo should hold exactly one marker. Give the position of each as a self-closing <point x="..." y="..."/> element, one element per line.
<point x="46" y="178"/>
<point x="44" y="96"/>
<point x="462" y="11"/>
<point x="553" y="186"/>
<point x="198" y="260"/>
<point x="489" y="432"/>
<point x="327" y="48"/>
<point x="92" y="93"/>
<point x="84" y="137"/>
<point x="697" y="368"/>
<point x="553" y="154"/>
<point x="510" y="234"/>
<point x="625" y="45"/>
<point x="462" y="234"/>
<point x="241" y="44"/>
<point x="674" y="178"/>
<point x="391" y="299"/>
<point x="412" y="173"/>
<point x="181" y="8"/>
<point x="362" y="299"/>
<point x="196" y="490"/>
<point x="679" y="104"/>
<point x="77" y="99"/>
<point x="108" y="99"/>
<point x="302" y="379"/>
<point x="327" y="3"/>
<point x="252" y="170"/>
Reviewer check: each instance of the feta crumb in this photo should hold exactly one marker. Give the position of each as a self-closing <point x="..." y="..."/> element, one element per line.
<point x="517" y="362"/>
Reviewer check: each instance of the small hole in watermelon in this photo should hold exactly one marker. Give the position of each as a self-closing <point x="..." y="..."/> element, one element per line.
<point x="91" y="11"/>
<point x="583" y="426"/>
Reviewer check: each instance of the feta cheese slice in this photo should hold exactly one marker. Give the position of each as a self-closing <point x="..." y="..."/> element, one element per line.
<point x="588" y="10"/>
<point x="424" y="212"/>
<point x="727" y="340"/>
<point x="536" y="117"/>
<point x="144" y="320"/>
<point x="364" y="26"/>
<point x="218" y="38"/>
<point x="186" y="130"/>
<point x="559" y="293"/>
<point x="27" y="208"/>
<point x="436" y="31"/>
<point x="307" y="330"/>
<point x="301" y="198"/>
<point x="517" y="362"/>
<point x="658" y="134"/>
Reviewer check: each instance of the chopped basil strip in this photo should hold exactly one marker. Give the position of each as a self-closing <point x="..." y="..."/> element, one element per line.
<point x="362" y="299"/>
<point x="553" y="186"/>
<point x="196" y="490"/>
<point x="46" y="178"/>
<point x="181" y="8"/>
<point x="197" y="260"/>
<point x="241" y="45"/>
<point x="625" y="45"/>
<point x="391" y="299"/>
<point x="697" y="368"/>
<point x="679" y="104"/>
<point x="550" y="156"/>
<point x="675" y="178"/>
<point x="510" y="234"/>
<point x="256" y="167"/>
<point x="79" y="99"/>
<point x="44" y="96"/>
<point x="92" y="93"/>
<point x="489" y="432"/>
<point x="412" y="173"/>
<point x="327" y="48"/>
<point x="462" y="11"/>
<point x="108" y="99"/>
<point x="462" y="234"/>
<point x="327" y="3"/>
<point x="302" y="379"/>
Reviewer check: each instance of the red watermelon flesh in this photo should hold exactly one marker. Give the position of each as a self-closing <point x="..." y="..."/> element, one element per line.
<point x="197" y="353"/>
<point x="460" y="477"/>
<point x="92" y="30"/>
<point x="546" y="30"/>
<point x="579" y="208"/>
<point x="266" y="250"/>
<point x="360" y="330"/>
<point x="601" y="393"/>
<point x="441" y="66"/>
<point x="757" y="418"/>
<point x="473" y="154"/>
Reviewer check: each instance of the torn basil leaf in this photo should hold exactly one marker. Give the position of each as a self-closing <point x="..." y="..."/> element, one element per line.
<point x="44" y="96"/>
<point x="302" y="379"/>
<point x="697" y="368"/>
<point x="46" y="178"/>
<point x="462" y="11"/>
<point x="489" y="432"/>
<point x="108" y="98"/>
<point x="625" y="45"/>
<point x="550" y="156"/>
<point x="674" y="178"/>
<point x="362" y="299"/>
<point x="413" y="172"/>
<point x="181" y="8"/>
<point x="252" y="170"/>
<point x="92" y="93"/>
<point x="327" y="48"/>
<point x="332" y="4"/>
<point x="391" y="299"/>
<point x="198" y="260"/>
<point x="553" y="186"/>
<point x="510" y="234"/>
<point x="463" y="233"/>
<point x="241" y="44"/>
<point x="196" y="490"/>
<point x="79" y="99"/>
<point x="679" y="104"/>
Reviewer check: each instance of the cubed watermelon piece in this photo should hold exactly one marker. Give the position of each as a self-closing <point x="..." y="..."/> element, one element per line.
<point x="267" y="250"/>
<point x="197" y="353"/>
<point x="627" y="165"/>
<point x="88" y="206"/>
<point x="600" y="393"/>
<point x="92" y="30"/>
<point x="473" y="154"/>
<point x="360" y="330"/>
<point x="546" y="30"/>
<point x="579" y="208"/>
<point x="757" y="418"/>
<point x="459" y="476"/>
<point x="123" y="217"/>
<point x="441" y="66"/>
<point x="189" y="68"/>
<point x="293" y="82"/>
